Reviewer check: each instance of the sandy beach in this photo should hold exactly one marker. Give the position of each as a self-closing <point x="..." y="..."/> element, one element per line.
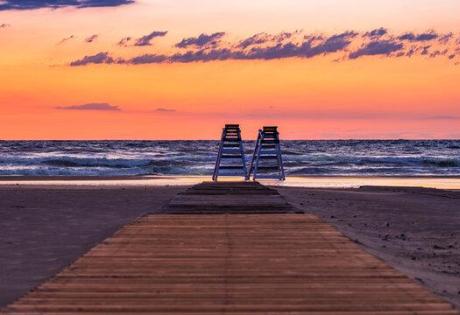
<point x="415" y="230"/>
<point x="43" y="228"/>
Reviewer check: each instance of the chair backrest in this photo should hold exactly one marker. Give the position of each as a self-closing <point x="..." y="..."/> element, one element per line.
<point x="232" y="126"/>
<point x="232" y="132"/>
<point x="270" y="129"/>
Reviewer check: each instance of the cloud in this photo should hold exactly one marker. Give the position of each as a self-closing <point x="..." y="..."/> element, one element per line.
<point x="256" y="39"/>
<point x="201" y="41"/>
<point x="379" y="32"/>
<point x="264" y="38"/>
<point x="147" y="39"/>
<point x="4" y="25"/>
<point x="100" y="58"/>
<point x="263" y="46"/>
<point x="91" y="106"/>
<point x="56" y="4"/>
<point x="278" y="50"/>
<point x="384" y="47"/>
<point x="66" y="39"/>
<point x="444" y="39"/>
<point x="91" y="38"/>
<point x="124" y="41"/>
<point x="423" y="37"/>
<point x="165" y="110"/>
<point x="146" y="59"/>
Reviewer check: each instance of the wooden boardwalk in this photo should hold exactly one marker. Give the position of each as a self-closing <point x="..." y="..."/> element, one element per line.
<point x="215" y="261"/>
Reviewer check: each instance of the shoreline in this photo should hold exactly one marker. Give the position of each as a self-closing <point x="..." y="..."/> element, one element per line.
<point x="433" y="182"/>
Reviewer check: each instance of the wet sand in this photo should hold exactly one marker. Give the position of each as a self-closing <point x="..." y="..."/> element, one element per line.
<point x="44" y="228"/>
<point x="439" y="182"/>
<point x="415" y="230"/>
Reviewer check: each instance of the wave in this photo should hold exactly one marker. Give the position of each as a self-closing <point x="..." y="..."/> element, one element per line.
<point x="107" y="158"/>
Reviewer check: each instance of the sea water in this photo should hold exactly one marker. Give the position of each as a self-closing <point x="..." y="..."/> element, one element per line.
<point x="374" y="158"/>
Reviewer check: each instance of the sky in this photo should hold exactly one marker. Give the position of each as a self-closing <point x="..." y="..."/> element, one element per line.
<point x="162" y="69"/>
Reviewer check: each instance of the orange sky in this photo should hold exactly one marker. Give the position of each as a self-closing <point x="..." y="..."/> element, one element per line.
<point x="375" y="96"/>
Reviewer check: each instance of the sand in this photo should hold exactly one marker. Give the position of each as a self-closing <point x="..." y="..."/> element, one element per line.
<point x="42" y="230"/>
<point x="45" y="228"/>
<point x="416" y="230"/>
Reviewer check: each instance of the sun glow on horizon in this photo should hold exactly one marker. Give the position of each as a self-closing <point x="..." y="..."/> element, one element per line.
<point x="402" y="84"/>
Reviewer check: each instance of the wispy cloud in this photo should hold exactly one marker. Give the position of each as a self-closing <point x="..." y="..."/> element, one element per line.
<point x="379" y="32"/>
<point x="66" y="39"/>
<point x="384" y="47"/>
<point x="147" y="39"/>
<point x="56" y="4"/>
<point x="91" y="107"/>
<point x="202" y="40"/>
<point x="263" y="46"/>
<point x="263" y="38"/>
<point x="91" y="38"/>
<point x="423" y="37"/>
<point x="124" y="41"/>
<point x="146" y="59"/>
<point x="100" y="58"/>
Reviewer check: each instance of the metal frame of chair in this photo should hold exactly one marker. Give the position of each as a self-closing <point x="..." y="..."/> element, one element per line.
<point x="267" y="149"/>
<point x="230" y="150"/>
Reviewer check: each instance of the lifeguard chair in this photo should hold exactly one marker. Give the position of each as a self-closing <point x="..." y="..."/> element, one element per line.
<point x="230" y="158"/>
<point x="267" y="161"/>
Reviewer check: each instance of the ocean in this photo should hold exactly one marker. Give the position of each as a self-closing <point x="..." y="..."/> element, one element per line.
<point x="302" y="158"/>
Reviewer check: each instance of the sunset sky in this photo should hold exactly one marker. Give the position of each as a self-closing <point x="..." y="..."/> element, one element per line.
<point x="180" y="69"/>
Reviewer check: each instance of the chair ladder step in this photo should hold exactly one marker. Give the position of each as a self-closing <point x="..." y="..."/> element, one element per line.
<point x="268" y="149"/>
<point x="230" y="150"/>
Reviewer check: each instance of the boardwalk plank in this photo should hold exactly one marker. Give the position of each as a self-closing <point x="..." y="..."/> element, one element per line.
<point x="227" y="263"/>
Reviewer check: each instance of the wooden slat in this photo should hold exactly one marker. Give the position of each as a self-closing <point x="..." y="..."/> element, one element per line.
<point x="229" y="263"/>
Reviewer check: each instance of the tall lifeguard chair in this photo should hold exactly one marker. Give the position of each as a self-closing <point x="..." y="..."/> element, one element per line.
<point x="267" y="161"/>
<point x="230" y="158"/>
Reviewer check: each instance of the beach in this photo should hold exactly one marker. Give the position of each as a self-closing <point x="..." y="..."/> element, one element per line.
<point x="47" y="225"/>
<point x="43" y="229"/>
<point x="415" y="230"/>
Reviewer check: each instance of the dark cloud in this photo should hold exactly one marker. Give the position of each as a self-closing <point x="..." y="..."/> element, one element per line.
<point x="256" y="39"/>
<point x="55" y="4"/>
<point x="66" y="39"/>
<point x="100" y="58"/>
<point x="147" y="39"/>
<point x="91" y="38"/>
<point x="423" y="37"/>
<point x="4" y="25"/>
<point x="264" y="46"/>
<point x="91" y="106"/>
<point x="377" y="32"/>
<point x="263" y="38"/>
<point x="146" y="59"/>
<point x="332" y="44"/>
<point x="201" y="41"/>
<point x="384" y="47"/>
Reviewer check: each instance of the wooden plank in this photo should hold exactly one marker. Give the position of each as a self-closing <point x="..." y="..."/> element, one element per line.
<point x="246" y="263"/>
